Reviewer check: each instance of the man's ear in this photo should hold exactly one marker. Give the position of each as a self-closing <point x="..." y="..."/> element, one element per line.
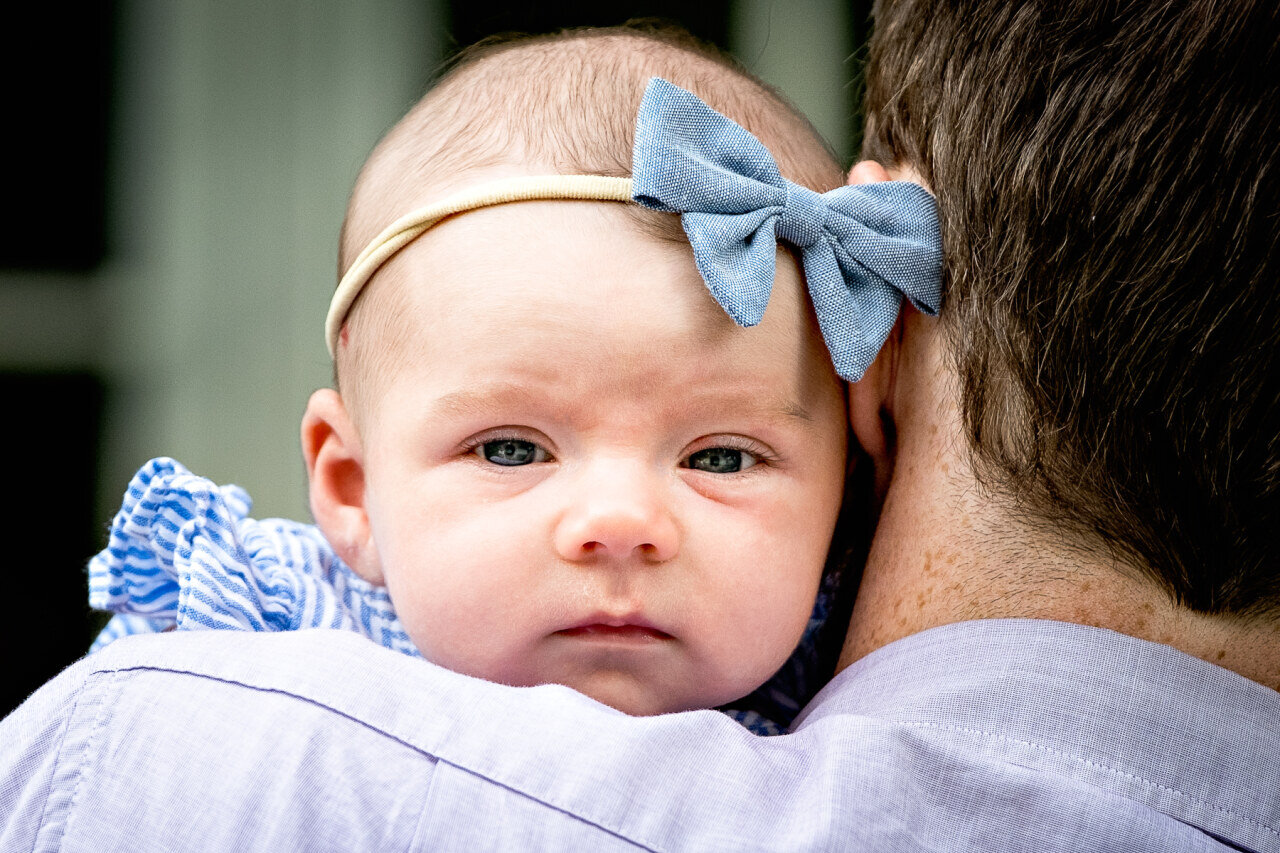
<point x="336" y="473"/>
<point x="871" y="407"/>
<point x="871" y="398"/>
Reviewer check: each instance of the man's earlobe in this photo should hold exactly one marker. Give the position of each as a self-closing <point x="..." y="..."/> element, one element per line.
<point x="336" y="475"/>
<point x="871" y="408"/>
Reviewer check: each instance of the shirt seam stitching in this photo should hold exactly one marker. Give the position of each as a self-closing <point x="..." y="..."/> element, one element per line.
<point x="1090" y="763"/>
<point x="423" y="813"/>
<point x="53" y="771"/>
<point x="86" y="759"/>
<point x="384" y="731"/>
<point x="548" y="803"/>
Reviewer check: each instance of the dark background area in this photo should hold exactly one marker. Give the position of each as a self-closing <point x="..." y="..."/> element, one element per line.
<point x="51" y="435"/>
<point x="471" y="22"/>
<point x="57" y="68"/>
<point x="60" y="71"/>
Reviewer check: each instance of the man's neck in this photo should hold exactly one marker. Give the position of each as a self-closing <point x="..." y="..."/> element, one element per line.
<point x="945" y="551"/>
<point x="932" y="568"/>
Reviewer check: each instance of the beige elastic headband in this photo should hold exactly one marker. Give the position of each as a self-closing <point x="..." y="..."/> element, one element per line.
<point x="408" y="228"/>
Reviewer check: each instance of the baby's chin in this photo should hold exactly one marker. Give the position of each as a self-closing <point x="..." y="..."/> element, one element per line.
<point x="630" y="695"/>
<point x="639" y="678"/>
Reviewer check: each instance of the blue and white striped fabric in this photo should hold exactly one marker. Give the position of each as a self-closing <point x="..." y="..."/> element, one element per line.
<point x="184" y="554"/>
<point x="863" y="247"/>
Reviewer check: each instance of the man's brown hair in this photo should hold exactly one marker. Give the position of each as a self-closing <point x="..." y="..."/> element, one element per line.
<point x="1107" y="181"/>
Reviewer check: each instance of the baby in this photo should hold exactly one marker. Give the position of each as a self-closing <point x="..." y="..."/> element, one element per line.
<point x="551" y="456"/>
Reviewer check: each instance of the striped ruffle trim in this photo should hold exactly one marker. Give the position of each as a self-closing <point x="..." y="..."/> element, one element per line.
<point x="183" y="554"/>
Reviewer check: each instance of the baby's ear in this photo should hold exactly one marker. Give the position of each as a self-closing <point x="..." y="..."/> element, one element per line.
<point x="335" y="470"/>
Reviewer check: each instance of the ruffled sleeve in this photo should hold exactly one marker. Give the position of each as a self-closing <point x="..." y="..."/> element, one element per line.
<point x="183" y="554"/>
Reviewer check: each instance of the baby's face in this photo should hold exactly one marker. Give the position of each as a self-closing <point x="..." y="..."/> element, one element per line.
<point x="582" y="472"/>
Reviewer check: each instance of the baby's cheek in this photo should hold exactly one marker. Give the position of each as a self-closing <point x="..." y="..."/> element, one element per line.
<point x="790" y="618"/>
<point x="431" y="615"/>
<point x="763" y="628"/>
<point x="458" y="625"/>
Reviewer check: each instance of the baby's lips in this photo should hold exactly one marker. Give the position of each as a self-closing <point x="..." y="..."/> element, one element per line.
<point x="605" y="625"/>
<point x="637" y="633"/>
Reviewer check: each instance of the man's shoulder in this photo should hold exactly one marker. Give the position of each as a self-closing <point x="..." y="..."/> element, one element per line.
<point x="1103" y="723"/>
<point x="285" y="739"/>
<point x="966" y="738"/>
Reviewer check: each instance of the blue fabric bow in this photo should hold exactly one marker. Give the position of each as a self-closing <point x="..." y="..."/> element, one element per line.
<point x="863" y="247"/>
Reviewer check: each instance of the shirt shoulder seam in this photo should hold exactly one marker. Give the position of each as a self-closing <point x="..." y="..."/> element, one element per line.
<point x="90" y="686"/>
<point x="86" y="759"/>
<point x="1114" y="771"/>
<point x="385" y="732"/>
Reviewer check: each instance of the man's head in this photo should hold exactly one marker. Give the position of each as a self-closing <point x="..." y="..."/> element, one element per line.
<point x="1108" y="177"/>
<point x="563" y="459"/>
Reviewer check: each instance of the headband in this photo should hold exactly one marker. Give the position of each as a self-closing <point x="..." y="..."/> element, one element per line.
<point x="863" y="248"/>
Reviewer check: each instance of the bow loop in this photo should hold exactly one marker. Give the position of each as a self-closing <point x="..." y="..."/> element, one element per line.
<point x="863" y="248"/>
<point x="735" y="255"/>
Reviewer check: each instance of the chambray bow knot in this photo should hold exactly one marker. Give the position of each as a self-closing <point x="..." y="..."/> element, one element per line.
<point x="802" y="217"/>
<point x="863" y="247"/>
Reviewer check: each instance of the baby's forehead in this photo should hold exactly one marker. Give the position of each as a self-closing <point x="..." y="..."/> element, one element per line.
<point x="565" y="285"/>
<point x="560" y="253"/>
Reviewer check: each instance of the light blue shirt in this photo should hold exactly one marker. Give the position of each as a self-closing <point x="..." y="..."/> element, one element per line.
<point x="999" y="735"/>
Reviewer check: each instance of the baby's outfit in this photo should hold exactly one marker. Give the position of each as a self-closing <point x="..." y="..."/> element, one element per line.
<point x="184" y="554"/>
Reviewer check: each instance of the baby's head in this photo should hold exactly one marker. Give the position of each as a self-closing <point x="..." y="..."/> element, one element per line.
<point x="560" y="455"/>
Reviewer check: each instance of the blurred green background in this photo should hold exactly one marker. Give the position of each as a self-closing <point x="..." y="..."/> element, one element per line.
<point x="177" y="173"/>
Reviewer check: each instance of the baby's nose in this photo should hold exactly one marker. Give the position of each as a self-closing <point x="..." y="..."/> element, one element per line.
<point x="618" y="511"/>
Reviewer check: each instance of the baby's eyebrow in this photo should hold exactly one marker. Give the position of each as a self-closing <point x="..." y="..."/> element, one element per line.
<point x="780" y="406"/>
<point x="793" y="409"/>
<point x="471" y="401"/>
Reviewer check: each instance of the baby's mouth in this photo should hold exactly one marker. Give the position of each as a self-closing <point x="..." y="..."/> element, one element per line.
<point x="621" y="633"/>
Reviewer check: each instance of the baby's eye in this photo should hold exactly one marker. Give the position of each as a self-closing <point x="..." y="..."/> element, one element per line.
<point x="511" y="451"/>
<point x="720" y="460"/>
